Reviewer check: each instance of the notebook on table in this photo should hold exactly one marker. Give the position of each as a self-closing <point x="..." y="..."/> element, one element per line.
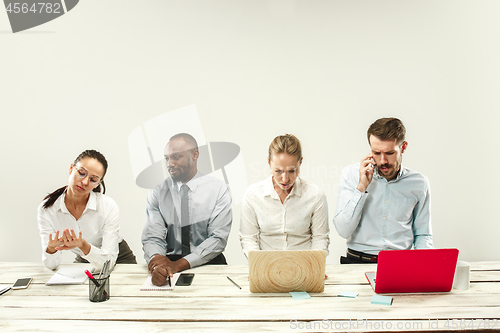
<point x="414" y="271"/>
<point x="73" y="274"/>
<point x="286" y="271"/>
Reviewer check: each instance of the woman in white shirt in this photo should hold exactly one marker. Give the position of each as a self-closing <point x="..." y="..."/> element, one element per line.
<point x="284" y="212"/>
<point x="81" y="219"/>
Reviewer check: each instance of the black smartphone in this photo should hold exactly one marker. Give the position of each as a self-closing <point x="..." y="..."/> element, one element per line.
<point x="185" y="279"/>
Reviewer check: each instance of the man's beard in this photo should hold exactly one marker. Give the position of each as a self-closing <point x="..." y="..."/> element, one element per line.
<point x="392" y="170"/>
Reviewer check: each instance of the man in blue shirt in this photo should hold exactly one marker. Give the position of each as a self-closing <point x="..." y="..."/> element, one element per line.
<point x="188" y="215"/>
<point x="383" y="205"/>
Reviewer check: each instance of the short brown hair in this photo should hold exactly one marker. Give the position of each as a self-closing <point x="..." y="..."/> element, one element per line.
<point x="287" y="143"/>
<point x="387" y="129"/>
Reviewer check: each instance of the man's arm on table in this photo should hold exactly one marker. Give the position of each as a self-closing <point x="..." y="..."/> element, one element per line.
<point x="154" y="243"/>
<point x="219" y="226"/>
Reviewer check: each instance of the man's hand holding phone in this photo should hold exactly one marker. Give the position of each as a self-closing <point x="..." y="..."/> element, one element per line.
<point x="366" y="169"/>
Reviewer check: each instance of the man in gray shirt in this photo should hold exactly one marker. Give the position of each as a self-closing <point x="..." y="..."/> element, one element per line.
<point x="188" y="215"/>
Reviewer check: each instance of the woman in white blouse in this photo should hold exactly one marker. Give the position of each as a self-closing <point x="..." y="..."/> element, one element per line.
<point x="79" y="218"/>
<point x="284" y="212"/>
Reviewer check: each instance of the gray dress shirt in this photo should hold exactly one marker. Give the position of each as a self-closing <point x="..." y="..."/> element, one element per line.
<point x="210" y="218"/>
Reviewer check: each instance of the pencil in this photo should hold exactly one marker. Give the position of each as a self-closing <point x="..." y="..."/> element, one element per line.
<point x="233" y="282"/>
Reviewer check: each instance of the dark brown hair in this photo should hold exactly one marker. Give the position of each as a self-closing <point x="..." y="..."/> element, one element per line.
<point x="52" y="197"/>
<point x="387" y="129"/>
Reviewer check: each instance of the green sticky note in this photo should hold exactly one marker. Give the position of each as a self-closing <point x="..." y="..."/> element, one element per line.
<point x="298" y="295"/>
<point x="382" y="300"/>
<point x="348" y="294"/>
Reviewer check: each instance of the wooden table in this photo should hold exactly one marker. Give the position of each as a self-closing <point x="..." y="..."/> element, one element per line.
<point x="212" y="303"/>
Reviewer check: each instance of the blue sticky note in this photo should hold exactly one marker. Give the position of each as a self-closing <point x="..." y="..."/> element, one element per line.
<point x="382" y="300"/>
<point x="297" y="295"/>
<point x="348" y="294"/>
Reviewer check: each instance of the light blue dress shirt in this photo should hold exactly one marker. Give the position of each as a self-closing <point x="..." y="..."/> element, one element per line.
<point x="210" y="218"/>
<point x="392" y="215"/>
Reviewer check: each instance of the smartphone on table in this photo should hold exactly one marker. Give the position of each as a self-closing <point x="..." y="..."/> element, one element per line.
<point x="185" y="279"/>
<point x="22" y="283"/>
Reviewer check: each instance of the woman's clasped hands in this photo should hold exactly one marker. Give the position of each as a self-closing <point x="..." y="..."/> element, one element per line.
<point x="68" y="240"/>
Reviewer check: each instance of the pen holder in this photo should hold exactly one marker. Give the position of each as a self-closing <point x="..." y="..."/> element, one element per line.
<point x="99" y="291"/>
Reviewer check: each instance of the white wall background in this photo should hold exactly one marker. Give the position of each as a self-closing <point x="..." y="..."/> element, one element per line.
<point x="322" y="70"/>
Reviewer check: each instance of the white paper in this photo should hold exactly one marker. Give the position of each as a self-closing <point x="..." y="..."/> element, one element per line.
<point x="70" y="275"/>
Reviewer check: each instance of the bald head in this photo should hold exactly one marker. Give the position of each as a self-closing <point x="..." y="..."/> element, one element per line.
<point x="181" y="154"/>
<point x="188" y="138"/>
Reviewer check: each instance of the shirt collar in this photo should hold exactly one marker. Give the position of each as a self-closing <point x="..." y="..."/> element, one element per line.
<point x="91" y="203"/>
<point x="401" y="174"/>
<point x="191" y="184"/>
<point x="270" y="191"/>
<point x="297" y="187"/>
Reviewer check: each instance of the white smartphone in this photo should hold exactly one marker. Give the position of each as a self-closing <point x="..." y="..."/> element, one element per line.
<point x="22" y="283"/>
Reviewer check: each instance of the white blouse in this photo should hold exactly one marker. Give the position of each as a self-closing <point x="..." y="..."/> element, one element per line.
<point x="99" y="226"/>
<point x="299" y="223"/>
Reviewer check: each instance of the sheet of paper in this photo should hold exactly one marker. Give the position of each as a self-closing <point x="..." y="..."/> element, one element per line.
<point x="148" y="285"/>
<point x="70" y="275"/>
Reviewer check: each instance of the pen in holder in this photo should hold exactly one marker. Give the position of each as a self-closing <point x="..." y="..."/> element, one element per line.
<point x="99" y="289"/>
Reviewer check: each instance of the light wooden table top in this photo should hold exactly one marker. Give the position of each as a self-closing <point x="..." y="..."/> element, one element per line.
<point x="212" y="303"/>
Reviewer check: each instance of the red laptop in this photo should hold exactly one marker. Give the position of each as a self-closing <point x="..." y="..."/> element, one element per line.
<point x="414" y="271"/>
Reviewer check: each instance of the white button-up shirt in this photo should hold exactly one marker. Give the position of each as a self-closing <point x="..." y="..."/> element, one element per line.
<point x="99" y="226"/>
<point x="299" y="223"/>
